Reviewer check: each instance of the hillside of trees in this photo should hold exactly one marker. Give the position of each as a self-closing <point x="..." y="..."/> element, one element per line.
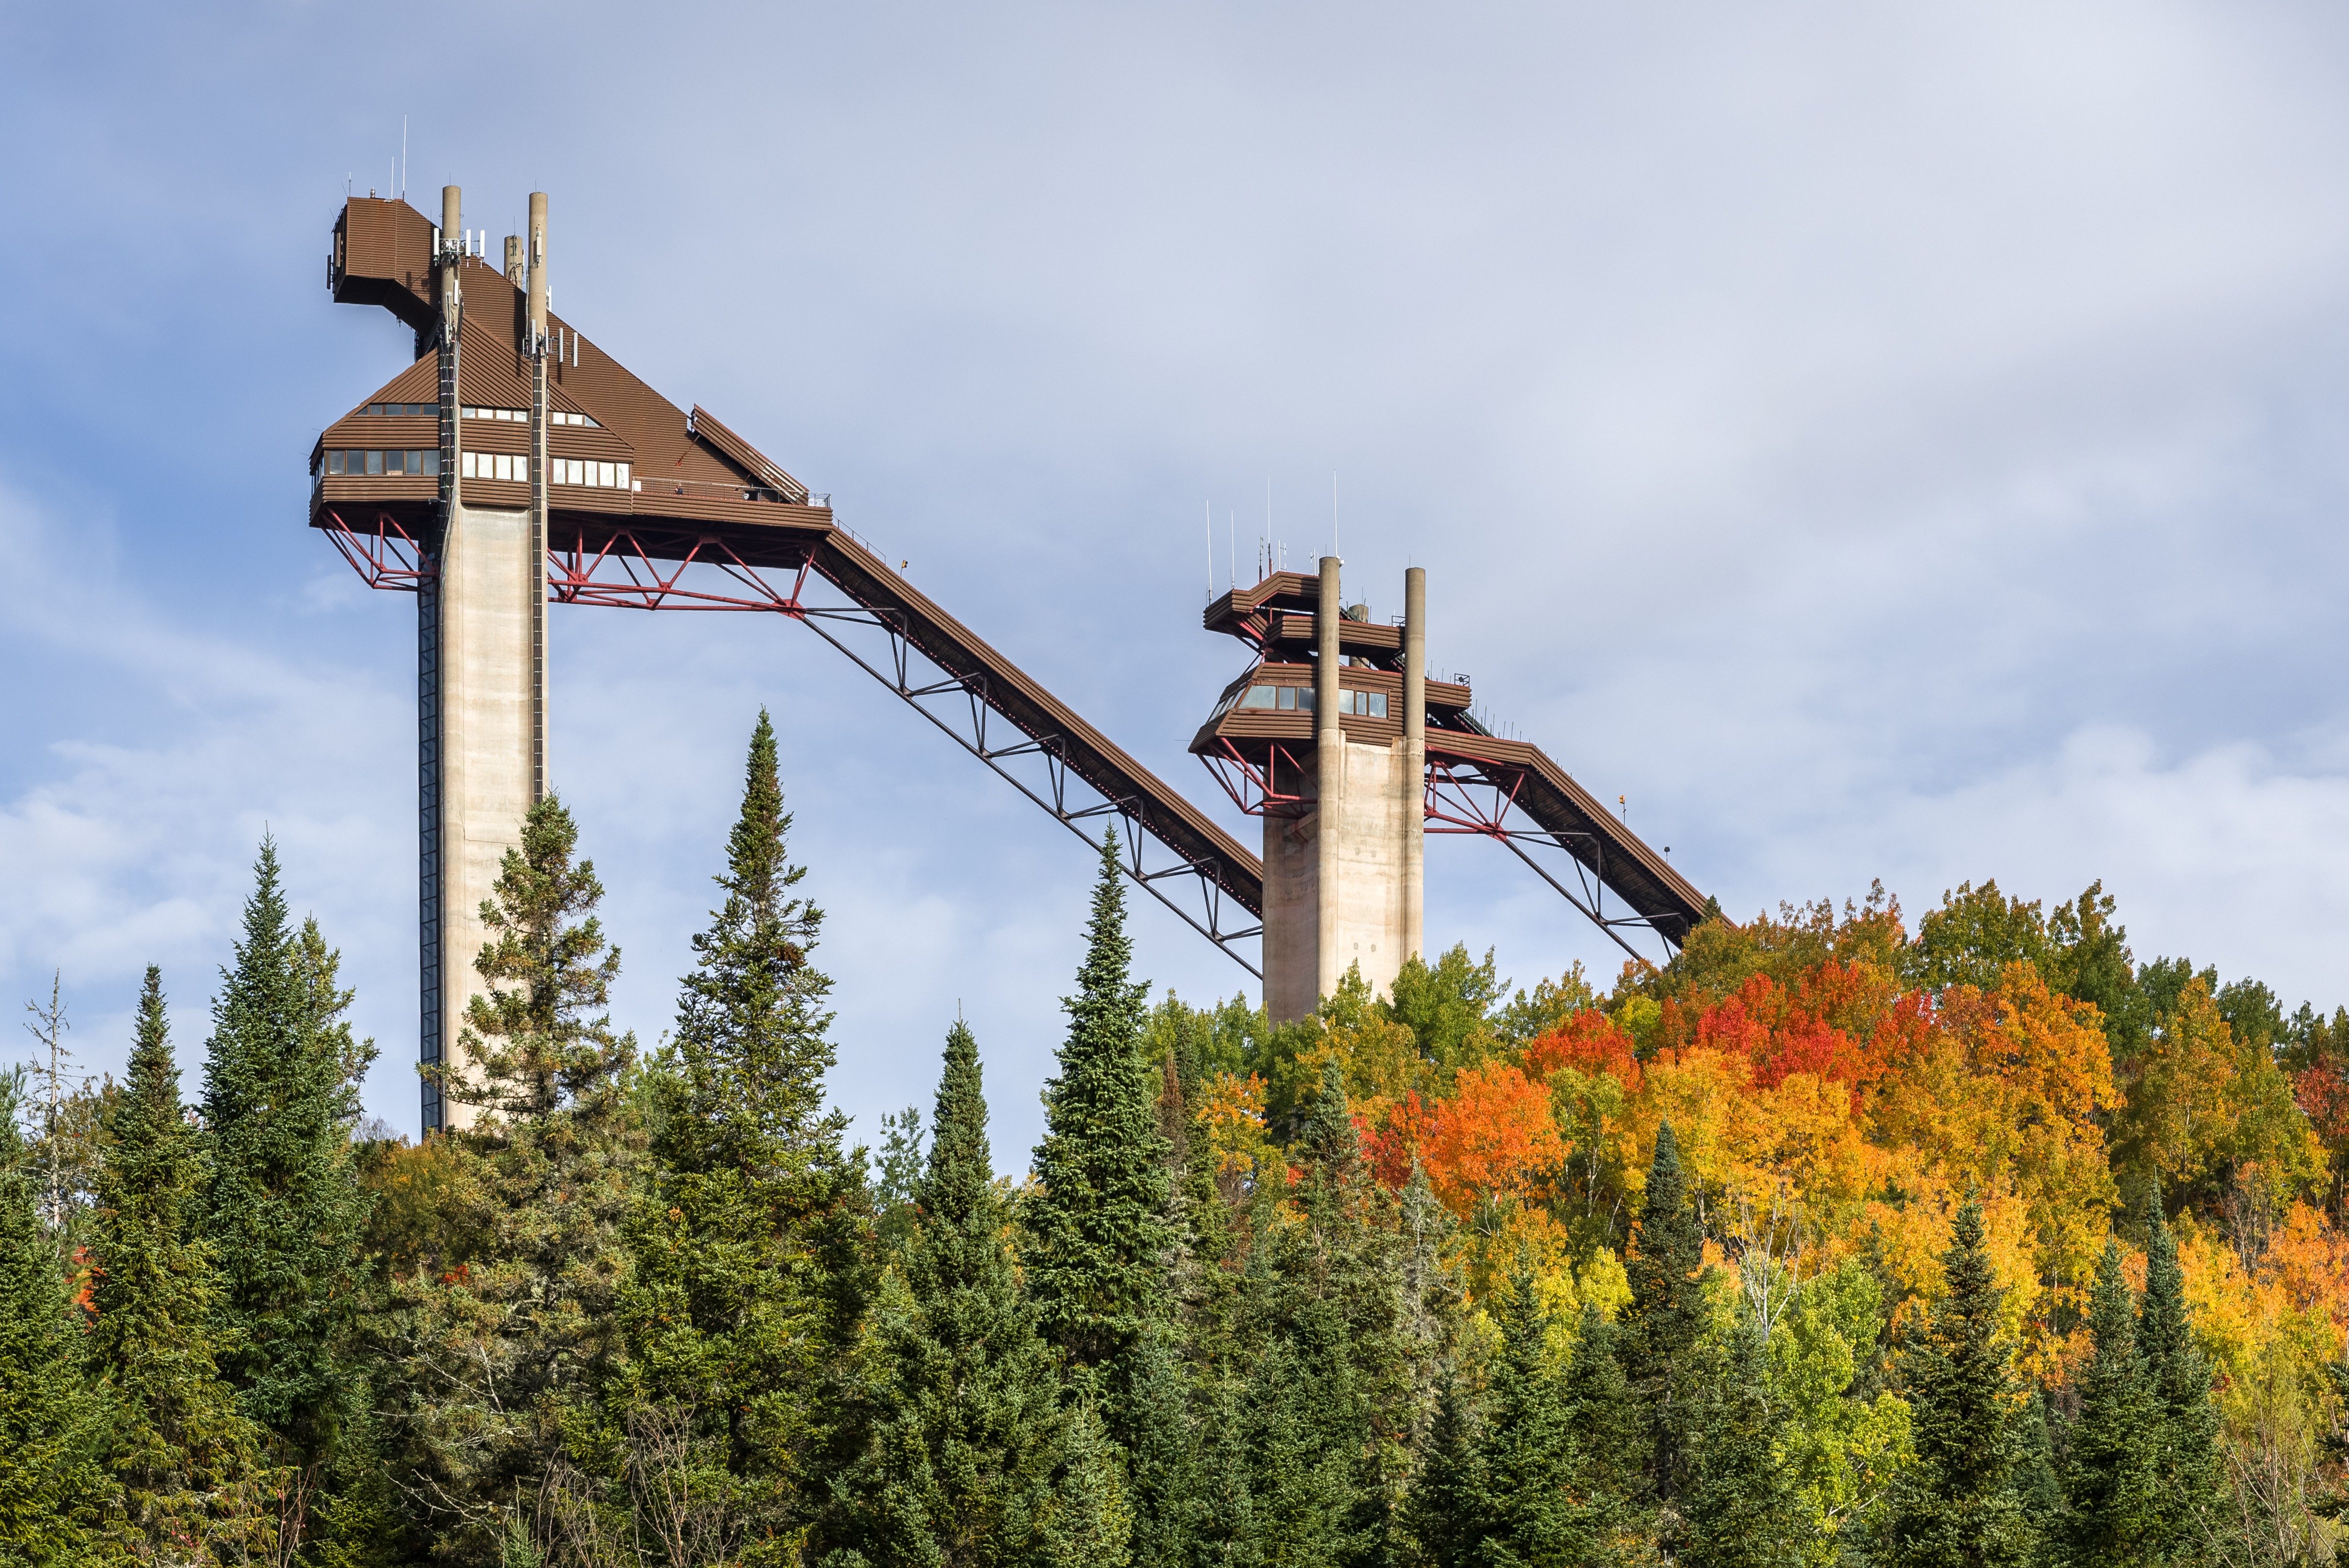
<point x="1831" y="1242"/>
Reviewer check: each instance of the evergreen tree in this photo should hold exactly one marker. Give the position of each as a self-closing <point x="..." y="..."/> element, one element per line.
<point x="500" y="1355"/>
<point x="1661" y="1340"/>
<point x="969" y="1458"/>
<point x="186" y="1457"/>
<point x="281" y="1206"/>
<point x="743" y="1296"/>
<point x="1605" y="1419"/>
<point x="2177" y="1381"/>
<point x="1741" y="1507"/>
<point x="1527" y="1466"/>
<point x="2111" y="1514"/>
<point x="1957" y="1505"/>
<point x="1445" y="1517"/>
<point x="1096" y="1264"/>
<point x="52" y="1487"/>
<point x="1161" y="1451"/>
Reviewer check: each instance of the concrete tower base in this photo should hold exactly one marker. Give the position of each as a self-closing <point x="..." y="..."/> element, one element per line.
<point x="487" y="745"/>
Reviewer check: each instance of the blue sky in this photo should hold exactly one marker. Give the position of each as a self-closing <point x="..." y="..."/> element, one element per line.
<point x="1878" y="442"/>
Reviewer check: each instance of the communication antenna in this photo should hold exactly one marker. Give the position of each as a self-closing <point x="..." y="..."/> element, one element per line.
<point x="403" y="158"/>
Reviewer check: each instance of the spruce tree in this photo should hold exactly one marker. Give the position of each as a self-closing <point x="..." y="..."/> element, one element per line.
<point x="1957" y="1505"/>
<point x="1528" y="1465"/>
<point x="1662" y="1335"/>
<point x="186" y="1457"/>
<point x="1445" y="1518"/>
<point x="2178" y="1380"/>
<point x="969" y="1456"/>
<point x="742" y="1298"/>
<point x="1741" y="1508"/>
<point x="501" y="1358"/>
<point x="281" y="1205"/>
<point x="53" y="1491"/>
<point x="1605" y="1419"/>
<point x="2111" y="1514"/>
<point x="1096" y="1262"/>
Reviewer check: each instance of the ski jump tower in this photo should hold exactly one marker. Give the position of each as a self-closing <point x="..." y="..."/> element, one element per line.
<point x="515" y="463"/>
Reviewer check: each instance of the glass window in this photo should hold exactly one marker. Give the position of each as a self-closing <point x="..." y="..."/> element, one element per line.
<point x="335" y="461"/>
<point x="574" y="471"/>
<point x="431" y="456"/>
<point x="624" y="476"/>
<point x="374" y="462"/>
<point x="504" y="466"/>
<point x="1287" y="697"/>
<point x="1257" y="697"/>
<point x="465" y="465"/>
<point x="1378" y="705"/>
<point x="604" y="475"/>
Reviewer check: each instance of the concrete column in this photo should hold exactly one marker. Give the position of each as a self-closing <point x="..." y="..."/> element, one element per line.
<point x="1329" y="760"/>
<point x="539" y="518"/>
<point x="435" y="1029"/>
<point x="1415" y="760"/>
<point x="486" y="705"/>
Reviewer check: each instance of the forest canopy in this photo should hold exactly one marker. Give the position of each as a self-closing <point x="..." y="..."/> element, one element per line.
<point x="1830" y="1241"/>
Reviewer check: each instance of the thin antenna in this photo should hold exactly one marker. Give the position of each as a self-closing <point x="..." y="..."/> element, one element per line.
<point x="403" y="158"/>
<point x="1232" y="537"/>
<point x="1211" y="551"/>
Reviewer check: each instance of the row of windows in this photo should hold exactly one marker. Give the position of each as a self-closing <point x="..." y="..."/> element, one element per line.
<point x="1369" y="704"/>
<point x="518" y="415"/>
<point x="522" y="417"/>
<point x="351" y="460"/>
<point x="515" y="465"/>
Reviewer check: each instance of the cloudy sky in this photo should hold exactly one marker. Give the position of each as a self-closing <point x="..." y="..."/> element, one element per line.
<point x="1895" y="442"/>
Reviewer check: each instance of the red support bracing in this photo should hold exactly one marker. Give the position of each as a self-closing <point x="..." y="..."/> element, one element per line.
<point x="642" y="583"/>
<point x="385" y="556"/>
<point x="1253" y="790"/>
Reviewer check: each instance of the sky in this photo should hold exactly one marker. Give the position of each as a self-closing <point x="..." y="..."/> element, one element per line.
<point x="1877" y="442"/>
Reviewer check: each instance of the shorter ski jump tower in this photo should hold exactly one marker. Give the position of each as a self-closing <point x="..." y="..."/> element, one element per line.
<point x="514" y="464"/>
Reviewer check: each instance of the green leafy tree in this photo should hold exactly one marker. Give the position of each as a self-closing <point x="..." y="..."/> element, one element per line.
<point x="498" y="1360"/>
<point x="282" y="1206"/>
<point x="1741" y="1509"/>
<point x="2112" y="1450"/>
<point x="1957" y="1506"/>
<point x="1662" y="1332"/>
<point x="1973" y="936"/>
<point x="53" y="1489"/>
<point x="1097" y="1257"/>
<point x="2177" y="1381"/>
<point x="969" y="1456"/>
<point x="743" y="1293"/>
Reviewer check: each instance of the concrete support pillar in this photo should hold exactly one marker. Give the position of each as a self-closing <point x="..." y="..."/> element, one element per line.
<point x="539" y="518"/>
<point x="1413" y="771"/>
<point x="486" y="703"/>
<point x="1330" y="766"/>
<point x="436" y="1030"/>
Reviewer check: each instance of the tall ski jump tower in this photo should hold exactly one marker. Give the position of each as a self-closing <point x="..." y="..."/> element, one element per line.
<point x="515" y="463"/>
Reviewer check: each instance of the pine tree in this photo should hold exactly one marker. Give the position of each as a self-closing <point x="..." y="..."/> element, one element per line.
<point x="2110" y="1511"/>
<point x="1957" y="1506"/>
<point x="52" y="1487"/>
<point x="1662" y="1335"/>
<point x="281" y="1206"/>
<point x="2178" y="1379"/>
<point x="1741" y="1508"/>
<point x="1606" y="1417"/>
<point x="1445" y="1517"/>
<point x="1528" y="1465"/>
<point x="969" y="1456"/>
<point x="1096" y="1262"/>
<point x="743" y="1295"/>
<point x="1162" y="1457"/>
<point x="187" y="1458"/>
<point x="500" y="1357"/>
